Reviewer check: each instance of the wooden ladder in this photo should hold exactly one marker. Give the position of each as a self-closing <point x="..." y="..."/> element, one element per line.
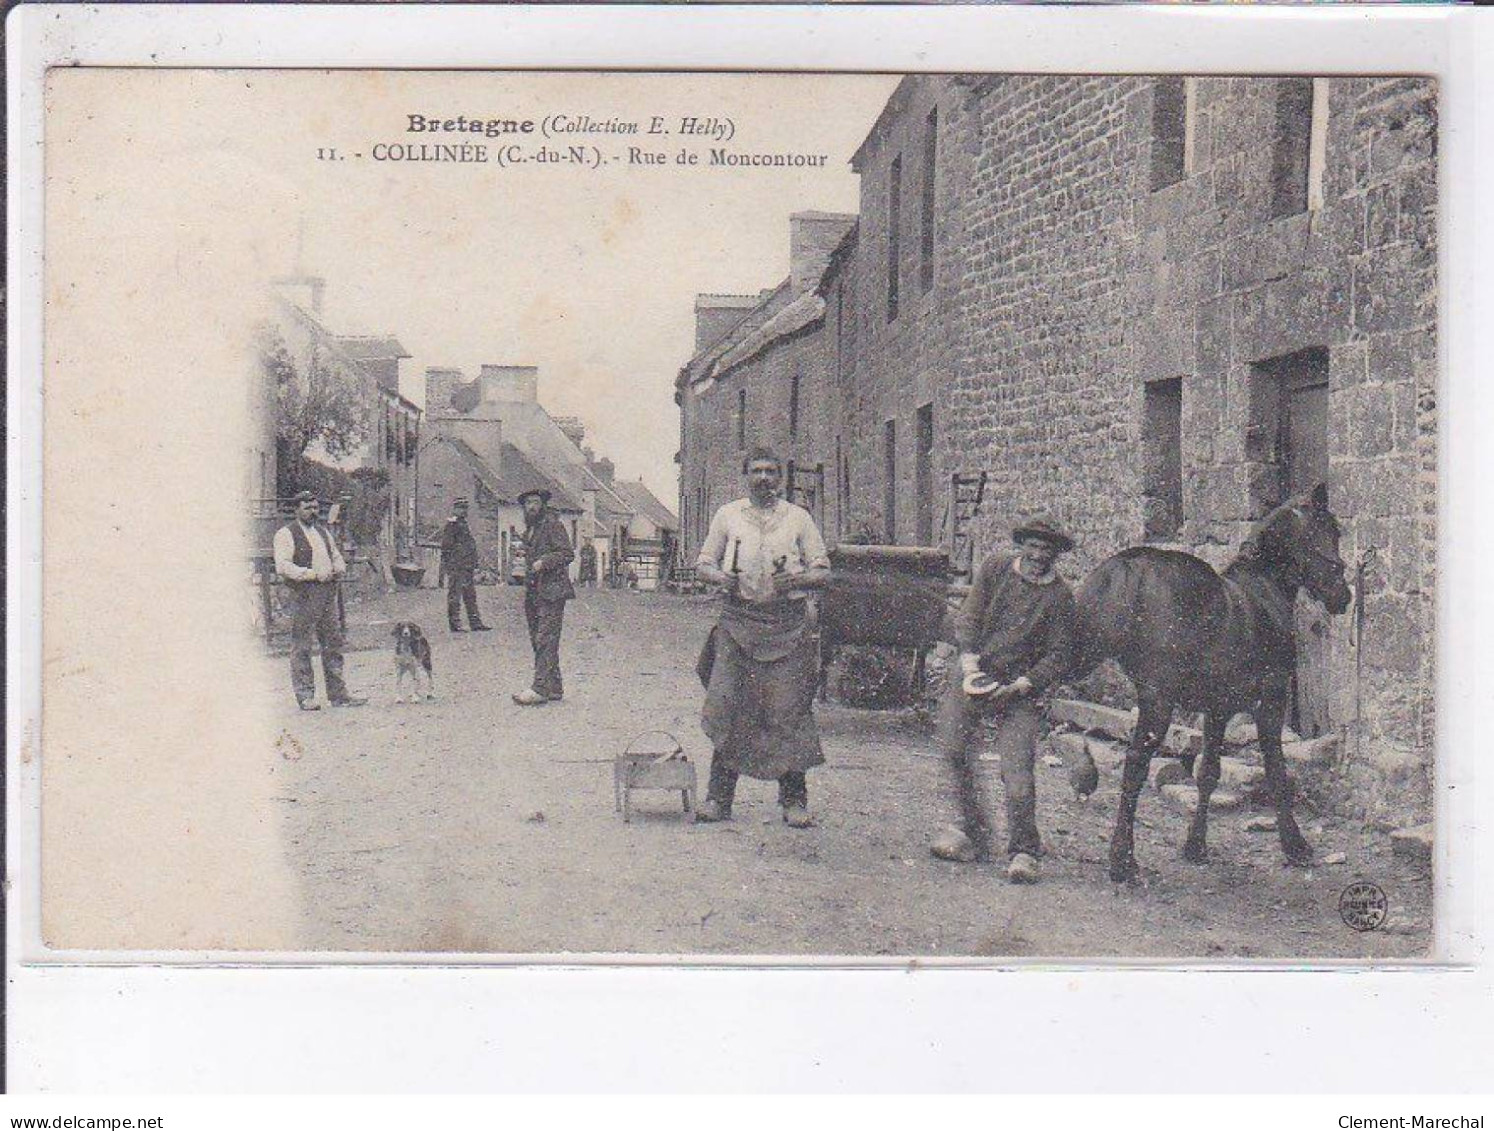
<point x="967" y="490"/>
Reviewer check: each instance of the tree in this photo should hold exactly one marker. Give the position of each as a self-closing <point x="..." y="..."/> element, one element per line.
<point x="317" y="405"/>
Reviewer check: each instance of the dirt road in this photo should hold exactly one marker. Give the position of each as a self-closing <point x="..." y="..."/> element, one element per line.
<point x="473" y="825"/>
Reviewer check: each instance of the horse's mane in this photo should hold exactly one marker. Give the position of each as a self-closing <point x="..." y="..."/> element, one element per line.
<point x="1260" y="546"/>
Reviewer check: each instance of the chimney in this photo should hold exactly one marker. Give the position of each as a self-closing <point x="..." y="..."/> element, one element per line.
<point x="716" y="314"/>
<point x="574" y="430"/>
<point x="604" y="469"/>
<point x="510" y="383"/>
<point x="812" y="237"/>
<point x="440" y="384"/>
<point x="303" y="290"/>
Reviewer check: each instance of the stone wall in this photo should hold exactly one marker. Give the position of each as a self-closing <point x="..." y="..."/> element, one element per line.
<point x="1081" y="284"/>
<point x="1259" y="252"/>
<point x="891" y="365"/>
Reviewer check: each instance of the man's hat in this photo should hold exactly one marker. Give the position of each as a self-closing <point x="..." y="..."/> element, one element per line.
<point x="306" y="497"/>
<point x="461" y="502"/>
<point x="543" y="493"/>
<point x="1045" y="529"/>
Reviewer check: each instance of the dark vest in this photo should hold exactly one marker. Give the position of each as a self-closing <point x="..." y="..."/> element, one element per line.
<point x="301" y="555"/>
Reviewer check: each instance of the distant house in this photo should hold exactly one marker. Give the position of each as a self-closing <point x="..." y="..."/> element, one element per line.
<point x="767" y="369"/>
<point x="394" y="440"/>
<point x="500" y="409"/>
<point x="385" y="442"/>
<point x="653" y="534"/>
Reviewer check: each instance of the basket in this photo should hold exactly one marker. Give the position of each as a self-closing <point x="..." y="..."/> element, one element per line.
<point x="665" y="768"/>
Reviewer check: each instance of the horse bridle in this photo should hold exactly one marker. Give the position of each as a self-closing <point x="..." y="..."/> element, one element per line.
<point x="1334" y="566"/>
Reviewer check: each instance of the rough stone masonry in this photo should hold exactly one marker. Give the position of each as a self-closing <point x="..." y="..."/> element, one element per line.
<point x="1155" y="306"/>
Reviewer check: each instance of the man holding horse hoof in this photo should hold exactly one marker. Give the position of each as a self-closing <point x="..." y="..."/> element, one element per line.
<point x="1015" y="632"/>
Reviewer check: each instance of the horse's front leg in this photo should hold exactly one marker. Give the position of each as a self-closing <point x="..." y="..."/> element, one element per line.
<point x="1152" y="720"/>
<point x="1268" y="723"/>
<point x="1195" y="848"/>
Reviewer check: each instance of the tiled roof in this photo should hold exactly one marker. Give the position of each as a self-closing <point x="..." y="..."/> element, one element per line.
<point x="372" y="347"/>
<point x="517" y="474"/>
<point x="520" y="470"/>
<point x="645" y="502"/>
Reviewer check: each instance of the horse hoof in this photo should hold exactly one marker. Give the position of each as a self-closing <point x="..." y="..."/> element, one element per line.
<point x="1195" y="853"/>
<point x="1123" y="871"/>
<point x="1298" y="857"/>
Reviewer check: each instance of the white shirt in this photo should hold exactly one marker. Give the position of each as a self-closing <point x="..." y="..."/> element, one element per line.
<point x="758" y="542"/>
<point x="326" y="559"/>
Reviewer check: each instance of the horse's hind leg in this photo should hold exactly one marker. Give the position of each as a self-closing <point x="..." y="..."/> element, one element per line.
<point x="1268" y="722"/>
<point x="1152" y="720"/>
<point x="1195" y="848"/>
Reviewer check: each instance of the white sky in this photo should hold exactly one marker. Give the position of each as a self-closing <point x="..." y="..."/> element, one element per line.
<point x="591" y="275"/>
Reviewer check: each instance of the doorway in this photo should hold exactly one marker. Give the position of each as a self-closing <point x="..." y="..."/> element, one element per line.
<point x="1289" y="422"/>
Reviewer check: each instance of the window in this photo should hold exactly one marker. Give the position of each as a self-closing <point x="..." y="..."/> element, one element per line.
<point x="741" y="418"/>
<point x="894" y="232"/>
<point x="926" y="241"/>
<point x="1291" y="146"/>
<point x="889" y="481"/>
<point x="1317" y="150"/>
<point x="1162" y="456"/>
<point x="794" y="406"/>
<point x="1169" y="131"/>
<point x="924" y="475"/>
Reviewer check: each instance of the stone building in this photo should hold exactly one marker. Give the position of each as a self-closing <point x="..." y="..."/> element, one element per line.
<point x="499" y="417"/>
<point x="452" y="468"/>
<point x="394" y="441"/>
<point x="384" y="451"/>
<point x="651" y="543"/>
<point x="1156" y="306"/>
<point x="763" y="373"/>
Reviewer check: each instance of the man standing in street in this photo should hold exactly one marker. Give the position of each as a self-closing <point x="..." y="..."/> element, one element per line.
<point x="1015" y="632"/>
<point x="768" y="556"/>
<point x="306" y="556"/>
<point x="459" y="563"/>
<point x="547" y="587"/>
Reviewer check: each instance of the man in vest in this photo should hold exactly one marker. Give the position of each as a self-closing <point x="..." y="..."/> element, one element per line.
<point x="306" y="556"/>
<point x="547" y="587"/>
<point x="459" y="562"/>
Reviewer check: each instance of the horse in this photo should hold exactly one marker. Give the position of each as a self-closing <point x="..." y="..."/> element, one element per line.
<point x="1220" y="643"/>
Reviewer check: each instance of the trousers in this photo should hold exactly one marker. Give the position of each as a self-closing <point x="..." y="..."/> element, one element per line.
<point x="721" y="788"/>
<point x="1017" y="728"/>
<point x="460" y="590"/>
<point x="314" y="620"/>
<point x="544" y="619"/>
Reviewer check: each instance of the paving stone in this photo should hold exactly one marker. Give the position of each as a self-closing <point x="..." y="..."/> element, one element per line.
<point x="1094" y="716"/>
<point x="1237" y="773"/>
<point x="1313" y="751"/>
<point x="1185" y="797"/>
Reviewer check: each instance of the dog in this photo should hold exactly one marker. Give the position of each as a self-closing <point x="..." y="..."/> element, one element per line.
<point x="412" y="655"/>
